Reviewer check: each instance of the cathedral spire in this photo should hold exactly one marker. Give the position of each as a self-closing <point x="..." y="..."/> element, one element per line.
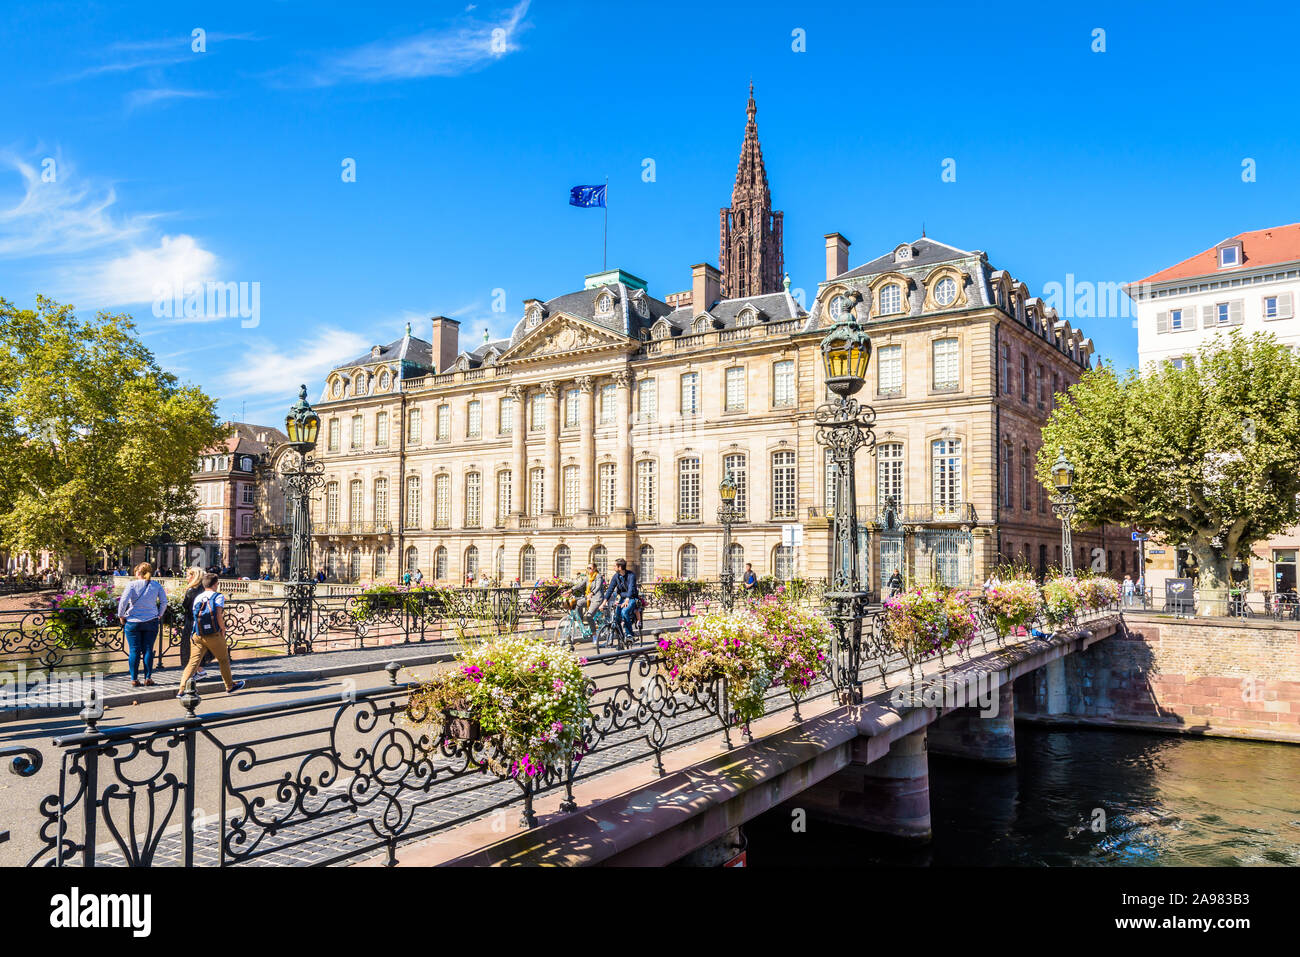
<point x="750" y="254"/>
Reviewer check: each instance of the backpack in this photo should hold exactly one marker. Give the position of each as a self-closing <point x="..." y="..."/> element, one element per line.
<point x="205" y="617"/>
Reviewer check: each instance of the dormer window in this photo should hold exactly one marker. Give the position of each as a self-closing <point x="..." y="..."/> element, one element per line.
<point x="945" y="291"/>
<point x="891" y="299"/>
<point x="747" y="317"/>
<point x="903" y="253"/>
<point x="660" y="331"/>
<point x="532" y="316"/>
<point x="1229" y="256"/>
<point x="604" y="304"/>
<point x="383" y="382"/>
<point x="338" y="388"/>
<point x="702" y="324"/>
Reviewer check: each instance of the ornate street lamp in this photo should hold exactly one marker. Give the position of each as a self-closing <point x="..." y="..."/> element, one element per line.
<point x="844" y="425"/>
<point x="1063" y="507"/>
<point x="727" y="513"/>
<point x="300" y="474"/>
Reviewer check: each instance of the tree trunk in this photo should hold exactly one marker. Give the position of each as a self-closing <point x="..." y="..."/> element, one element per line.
<point x="1211" y="580"/>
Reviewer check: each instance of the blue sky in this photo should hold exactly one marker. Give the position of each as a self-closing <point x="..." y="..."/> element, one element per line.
<point x="468" y="124"/>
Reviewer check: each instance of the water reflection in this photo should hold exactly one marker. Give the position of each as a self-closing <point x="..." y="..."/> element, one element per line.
<point x="1083" y="798"/>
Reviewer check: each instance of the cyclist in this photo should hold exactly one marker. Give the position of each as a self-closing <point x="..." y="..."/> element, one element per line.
<point x="622" y="589"/>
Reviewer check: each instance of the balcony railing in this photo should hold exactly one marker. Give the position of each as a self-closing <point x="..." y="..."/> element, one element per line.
<point x="917" y="513"/>
<point x="353" y="528"/>
<point x="705" y="340"/>
<point x="528" y="521"/>
<point x="562" y="521"/>
<point x="271" y="531"/>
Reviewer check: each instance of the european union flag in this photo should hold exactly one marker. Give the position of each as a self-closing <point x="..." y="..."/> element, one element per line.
<point x="587" y="196"/>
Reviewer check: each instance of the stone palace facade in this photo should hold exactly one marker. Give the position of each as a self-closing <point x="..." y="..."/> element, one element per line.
<point x="602" y="426"/>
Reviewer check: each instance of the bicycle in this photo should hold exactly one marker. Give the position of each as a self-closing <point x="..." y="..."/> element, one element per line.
<point x="611" y="635"/>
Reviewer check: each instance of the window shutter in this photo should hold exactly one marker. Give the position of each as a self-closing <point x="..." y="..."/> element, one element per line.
<point x="1235" y="311"/>
<point x="1162" y="322"/>
<point x="1284" y="305"/>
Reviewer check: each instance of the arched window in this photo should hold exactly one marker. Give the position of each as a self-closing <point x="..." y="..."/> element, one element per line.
<point x="600" y="558"/>
<point x="412" y="559"/>
<point x="332" y="562"/>
<point x="784" y="502"/>
<point x="381" y="500"/>
<point x="332" y="503"/>
<point x="891" y="299"/>
<point x="471" y="560"/>
<point x="688" y="562"/>
<point x="501" y="562"/>
<point x="735" y="466"/>
<point x="646" y="563"/>
<point x="783" y="562"/>
<point x="440" y="563"/>
<point x="563" y="562"/>
<point x="736" y="559"/>
<point x="381" y="562"/>
<point x="356" y="501"/>
<point x="354" y="565"/>
<point x="528" y="563"/>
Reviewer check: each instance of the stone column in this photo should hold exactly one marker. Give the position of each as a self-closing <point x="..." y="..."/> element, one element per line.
<point x="623" y="478"/>
<point x="551" y="484"/>
<point x="890" y="795"/>
<point x="987" y="735"/>
<point x="586" y="446"/>
<point x="1058" y="696"/>
<point x="519" y="490"/>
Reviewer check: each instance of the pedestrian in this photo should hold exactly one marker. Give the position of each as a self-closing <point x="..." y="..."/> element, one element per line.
<point x="193" y="588"/>
<point x="419" y="577"/>
<point x="622" y="588"/>
<point x="749" y="579"/>
<point x="140" y="610"/>
<point x="210" y="634"/>
<point x="1127" y="590"/>
<point x="895" y="583"/>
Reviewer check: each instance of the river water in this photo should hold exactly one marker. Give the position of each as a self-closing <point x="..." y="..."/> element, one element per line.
<point x="1081" y="797"/>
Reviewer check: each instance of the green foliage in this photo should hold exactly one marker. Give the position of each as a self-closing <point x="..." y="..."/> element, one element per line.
<point x="97" y="442"/>
<point x="1206" y="454"/>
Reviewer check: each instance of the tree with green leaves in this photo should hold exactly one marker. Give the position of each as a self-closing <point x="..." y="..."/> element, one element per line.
<point x="1207" y="455"/>
<point x="97" y="443"/>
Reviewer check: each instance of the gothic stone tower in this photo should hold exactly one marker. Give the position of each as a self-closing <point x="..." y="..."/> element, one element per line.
<point x="750" y="242"/>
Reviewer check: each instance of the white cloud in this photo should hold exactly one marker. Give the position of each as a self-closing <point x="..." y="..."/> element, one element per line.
<point x="447" y="52"/>
<point x="139" y="275"/>
<point x="267" y="369"/>
<point x="139" y="98"/>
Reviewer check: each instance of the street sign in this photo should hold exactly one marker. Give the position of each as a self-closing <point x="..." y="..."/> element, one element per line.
<point x="1139" y="537"/>
<point x="792" y="535"/>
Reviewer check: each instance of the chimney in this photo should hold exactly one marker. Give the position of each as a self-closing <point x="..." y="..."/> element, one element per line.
<point x="446" y="342"/>
<point x="837" y="255"/>
<point x="706" y="287"/>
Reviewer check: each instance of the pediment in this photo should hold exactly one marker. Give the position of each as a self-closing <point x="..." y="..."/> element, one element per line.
<point x="562" y="334"/>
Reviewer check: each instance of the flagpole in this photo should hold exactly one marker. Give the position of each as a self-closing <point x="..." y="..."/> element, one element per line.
<point x="604" y="248"/>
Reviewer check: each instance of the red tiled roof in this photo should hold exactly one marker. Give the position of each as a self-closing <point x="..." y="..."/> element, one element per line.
<point x="1261" y="247"/>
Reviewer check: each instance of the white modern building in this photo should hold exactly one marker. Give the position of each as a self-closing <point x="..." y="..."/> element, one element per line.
<point x="1251" y="282"/>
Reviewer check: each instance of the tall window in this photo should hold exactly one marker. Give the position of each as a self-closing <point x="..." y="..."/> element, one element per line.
<point x="946" y="466"/>
<point x="889" y="473"/>
<point x="440" y="563"/>
<point x="381" y="500"/>
<point x="783" y="383"/>
<point x="1025" y="497"/>
<point x="736" y="466"/>
<point x="413" y="427"/>
<point x="608" y="404"/>
<point x="381" y="429"/>
<point x="354" y="564"/>
<point x="335" y="431"/>
<point x="412" y="559"/>
<point x="528" y="563"/>
<point x="571" y="408"/>
<point x="504" y="483"/>
<point x="413" y="501"/>
<point x="889" y="370"/>
<point x="647" y="399"/>
<point x="245" y="525"/>
<point x="783" y="562"/>
<point x="1006" y="369"/>
<point x="356" y="501"/>
<point x="891" y="299"/>
<point x="500" y="560"/>
<point x="474" y="420"/>
<point x="688" y="562"/>
<point x="442" y="500"/>
<point x="831" y="488"/>
<point x="736" y="559"/>
<point x="646" y="563"/>
<point x="688" y="490"/>
<point x="646" y="492"/>
<point x="572" y="490"/>
<point x="537" y="411"/>
<point x="563" y="562"/>
<point x="947" y="367"/>
<point x="734" y="396"/>
<point x="691" y="393"/>
<point x="536" y="490"/>
<point x="471" y="560"/>
<point x="381" y="562"/>
<point x="1024" y="377"/>
<point x="1038" y="384"/>
<point x="1008" y="473"/>
<point x="600" y="558"/>
<point x="473" y="500"/>
<point x="332" y="503"/>
<point x="783" y="486"/>
<point x="506" y="416"/>
<point x="606" y="487"/>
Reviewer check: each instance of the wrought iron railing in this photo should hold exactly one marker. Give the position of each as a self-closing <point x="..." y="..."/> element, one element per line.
<point x="360" y="776"/>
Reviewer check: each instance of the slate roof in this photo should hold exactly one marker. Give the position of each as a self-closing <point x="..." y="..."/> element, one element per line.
<point x="409" y="349"/>
<point x="926" y="252"/>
